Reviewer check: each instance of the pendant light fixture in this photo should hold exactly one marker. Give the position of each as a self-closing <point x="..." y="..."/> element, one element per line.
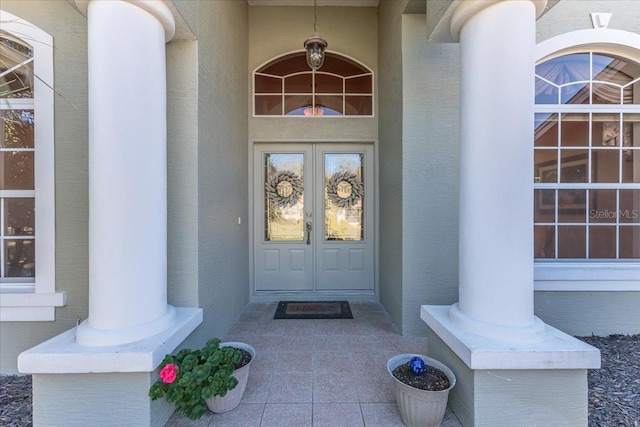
<point x="315" y="45"/>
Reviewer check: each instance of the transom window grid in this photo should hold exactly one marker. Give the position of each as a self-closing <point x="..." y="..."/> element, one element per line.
<point x="587" y="160"/>
<point x="17" y="158"/>
<point x="287" y="87"/>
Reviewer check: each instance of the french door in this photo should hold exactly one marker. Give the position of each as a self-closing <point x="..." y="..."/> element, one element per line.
<point x="313" y="222"/>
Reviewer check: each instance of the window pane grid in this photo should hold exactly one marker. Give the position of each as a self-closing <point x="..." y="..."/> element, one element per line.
<point x="602" y="226"/>
<point x="587" y="158"/>
<point x="328" y="93"/>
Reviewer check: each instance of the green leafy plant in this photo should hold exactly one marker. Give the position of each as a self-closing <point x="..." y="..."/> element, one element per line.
<point x="190" y="377"/>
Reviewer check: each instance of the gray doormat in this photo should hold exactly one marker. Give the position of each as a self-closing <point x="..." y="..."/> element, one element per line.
<point x="313" y="310"/>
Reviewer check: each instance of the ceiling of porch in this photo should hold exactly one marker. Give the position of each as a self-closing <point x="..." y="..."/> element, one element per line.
<point x="320" y="3"/>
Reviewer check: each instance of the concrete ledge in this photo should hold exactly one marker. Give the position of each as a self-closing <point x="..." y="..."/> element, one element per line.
<point x="63" y="355"/>
<point x="557" y="351"/>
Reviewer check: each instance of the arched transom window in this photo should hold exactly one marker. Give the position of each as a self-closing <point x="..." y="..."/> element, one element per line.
<point x="287" y="86"/>
<point x="587" y="158"/>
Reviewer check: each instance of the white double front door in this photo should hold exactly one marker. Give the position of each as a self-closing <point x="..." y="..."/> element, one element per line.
<point x="313" y="221"/>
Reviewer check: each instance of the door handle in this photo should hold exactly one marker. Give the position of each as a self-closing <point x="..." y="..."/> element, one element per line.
<point x="309" y="233"/>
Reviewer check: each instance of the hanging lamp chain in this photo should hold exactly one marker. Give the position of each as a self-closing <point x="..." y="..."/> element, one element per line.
<point x="315" y="16"/>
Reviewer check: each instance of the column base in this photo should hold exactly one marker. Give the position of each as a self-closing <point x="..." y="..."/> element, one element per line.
<point x="87" y="335"/>
<point x="536" y="332"/>
<point x="64" y="355"/>
<point x="538" y="384"/>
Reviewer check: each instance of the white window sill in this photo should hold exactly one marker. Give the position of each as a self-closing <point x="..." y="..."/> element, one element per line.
<point x="30" y="307"/>
<point x="586" y="276"/>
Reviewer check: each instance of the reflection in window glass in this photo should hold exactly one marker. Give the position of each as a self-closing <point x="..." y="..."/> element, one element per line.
<point x="16" y="67"/>
<point x="19" y="258"/>
<point x="17" y="170"/>
<point x="19" y="216"/>
<point x="546" y="130"/>
<point x="571" y="242"/>
<point x="575" y="130"/>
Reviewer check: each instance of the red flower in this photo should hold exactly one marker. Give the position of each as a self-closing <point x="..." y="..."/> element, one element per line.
<point x="168" y="373"/>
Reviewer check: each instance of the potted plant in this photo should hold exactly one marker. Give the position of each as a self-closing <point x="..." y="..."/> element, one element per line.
<point x="422" y="387"/>
<point x="213" y="377"/>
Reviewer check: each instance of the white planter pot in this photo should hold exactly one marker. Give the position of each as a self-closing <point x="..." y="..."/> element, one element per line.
<point x="233" y="397"/>
<point x="420" y="408"/>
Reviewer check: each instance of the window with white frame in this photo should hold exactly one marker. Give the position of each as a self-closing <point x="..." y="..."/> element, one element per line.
<point x="287" y="86"/>
<point x="27" y="270"/>
<point x="587" y="158"/>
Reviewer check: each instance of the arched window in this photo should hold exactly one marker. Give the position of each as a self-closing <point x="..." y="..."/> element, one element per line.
<point x="287" y="86"/>
<point x="27" y="223"/>
<point x="587" y="158"/>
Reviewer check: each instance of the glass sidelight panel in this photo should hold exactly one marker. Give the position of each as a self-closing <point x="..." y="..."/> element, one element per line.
<point x="344" y="196"/>
<point x="284" y="197"/>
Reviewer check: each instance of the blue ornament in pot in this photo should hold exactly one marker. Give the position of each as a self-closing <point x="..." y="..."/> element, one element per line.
<point x="417" y="365"/>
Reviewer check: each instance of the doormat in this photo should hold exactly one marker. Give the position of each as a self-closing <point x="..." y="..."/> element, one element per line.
<point x="313" y="310"/>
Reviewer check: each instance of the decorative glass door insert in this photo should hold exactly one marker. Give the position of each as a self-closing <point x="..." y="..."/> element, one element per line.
<point x="344" y="190"/>
<point x="284" y="197"/>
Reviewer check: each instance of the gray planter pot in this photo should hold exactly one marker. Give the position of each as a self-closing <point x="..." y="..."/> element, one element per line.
<point x="420" y="408"/>
<point x="229" y="401"/>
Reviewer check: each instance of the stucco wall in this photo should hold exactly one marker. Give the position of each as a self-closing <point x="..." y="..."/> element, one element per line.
<point x="69" y="30"/>
<point x="222" y="250"/>
<point x="430" y="173"/>
<point x="274" y="31"/>
<point x="390" y="152"/>
<point x="182" y="174"/>
<point x="590" y="313"/>
<point x="570" y="15"/>
<point x="57" y="399"/>
<point x="418" y="168"/>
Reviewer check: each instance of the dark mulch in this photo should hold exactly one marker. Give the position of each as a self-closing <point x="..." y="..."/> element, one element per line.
<point x="244" y="360"/>
<point x="15" y="400"/>
<point x="614" y="390"/>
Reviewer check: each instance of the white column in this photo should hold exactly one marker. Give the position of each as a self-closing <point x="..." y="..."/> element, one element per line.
<point x="497" y="40"/>
<point x="127" y="171"/>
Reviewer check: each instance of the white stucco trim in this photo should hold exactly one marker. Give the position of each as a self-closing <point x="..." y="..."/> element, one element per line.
<point x="617" y="42"/>
<point x="30" y="307"/>
<point x="586" y="276"/>
<point x="463" y="10"/>
<point x="154" y="7"/>
<point x="282" y="55"/>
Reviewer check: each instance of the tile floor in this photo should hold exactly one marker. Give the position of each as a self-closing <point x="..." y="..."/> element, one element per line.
<point x="317" y="372"/>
